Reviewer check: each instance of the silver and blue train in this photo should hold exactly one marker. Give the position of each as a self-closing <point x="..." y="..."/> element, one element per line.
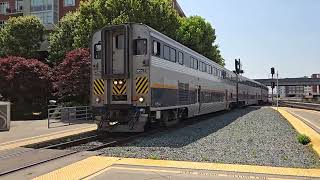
<point x="140" y="77"/>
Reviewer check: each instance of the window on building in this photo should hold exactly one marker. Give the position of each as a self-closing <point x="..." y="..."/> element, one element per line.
<point x="173" y="55"/>
<point x="69" y="3"/>
<point x="41" y="5"/>
<point x="19" y="5"/>
<point x="45" y="17"/>
<point x="3" y="7"/>
<point x="180" y="58"/>
<point x="156" y="48"/>
<point x="140" y="47"/>
<point x="166" y="52"/>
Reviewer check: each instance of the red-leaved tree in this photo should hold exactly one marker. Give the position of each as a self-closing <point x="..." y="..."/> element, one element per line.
<point x="26" y="83"/>
<point x="72" y="78"/>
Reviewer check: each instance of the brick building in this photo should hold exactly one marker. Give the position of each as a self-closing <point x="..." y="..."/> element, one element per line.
<point x="10" y="8"/>
<point x="48" y="11"/>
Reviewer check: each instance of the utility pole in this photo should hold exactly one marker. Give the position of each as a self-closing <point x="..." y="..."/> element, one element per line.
<point x="277" y="90"/>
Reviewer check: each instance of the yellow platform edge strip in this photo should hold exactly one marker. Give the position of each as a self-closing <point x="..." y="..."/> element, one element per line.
<point x="96" y="165"/>
<point x="302" y="128"/>
<point x="45" y="137"/>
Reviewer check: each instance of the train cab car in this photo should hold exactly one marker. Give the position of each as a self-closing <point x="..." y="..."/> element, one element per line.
<point x="140" y="76"/>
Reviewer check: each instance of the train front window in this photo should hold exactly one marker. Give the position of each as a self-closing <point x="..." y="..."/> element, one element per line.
<point x="120" y="41"/>
<point x="140" y="47"/>
<point x="97" y="50"/>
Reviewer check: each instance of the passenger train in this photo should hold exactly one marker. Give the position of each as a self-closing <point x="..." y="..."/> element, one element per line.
<point x="140" y="76"/>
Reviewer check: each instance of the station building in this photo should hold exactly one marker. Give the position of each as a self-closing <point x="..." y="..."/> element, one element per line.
<point x="315" y="89"/>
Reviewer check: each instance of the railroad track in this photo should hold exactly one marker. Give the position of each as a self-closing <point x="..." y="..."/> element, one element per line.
<point x="106" y="142"/>
<point x="310" y="106"/>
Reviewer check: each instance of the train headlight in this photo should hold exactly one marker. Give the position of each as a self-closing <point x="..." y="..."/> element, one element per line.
<point x="115" y="82"/>
<point x="98" y="99"/>
<point x="120" y="82"/>
<point x="141" y="99"/>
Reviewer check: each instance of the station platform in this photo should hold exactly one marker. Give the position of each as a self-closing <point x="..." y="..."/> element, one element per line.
<point x="310" y="117"/>
<point x="28" y="132"/>
<point x="305" y="122"/>
<point x="112" y="168"/>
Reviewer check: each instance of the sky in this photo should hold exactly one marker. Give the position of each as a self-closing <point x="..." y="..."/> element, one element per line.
<point x="284" y="34"/>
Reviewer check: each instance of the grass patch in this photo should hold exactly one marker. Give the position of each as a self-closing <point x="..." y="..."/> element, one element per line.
<point x="154" y="157"/>
<point x="303" y="139"/>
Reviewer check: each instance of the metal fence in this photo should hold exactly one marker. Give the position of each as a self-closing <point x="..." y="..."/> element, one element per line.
<point x="69" y="115"/>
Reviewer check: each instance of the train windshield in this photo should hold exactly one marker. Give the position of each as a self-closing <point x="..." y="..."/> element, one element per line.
<point x="140" y="47"/>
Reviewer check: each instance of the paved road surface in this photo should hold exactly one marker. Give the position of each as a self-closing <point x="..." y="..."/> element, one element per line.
<point x="310" y="117"/>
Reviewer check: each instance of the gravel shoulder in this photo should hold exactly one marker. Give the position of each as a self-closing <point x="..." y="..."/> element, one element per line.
<point x="255" y="136"/>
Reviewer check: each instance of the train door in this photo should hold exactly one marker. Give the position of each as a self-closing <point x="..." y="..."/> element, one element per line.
<point x="199" y="99"/>
<point x="116" y="43"/>
<point x="226" y="99"/>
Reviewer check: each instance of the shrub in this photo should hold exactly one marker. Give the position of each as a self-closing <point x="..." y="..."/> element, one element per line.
<point x="72" y="78"/>
<point x="26" y="83"/>
<point x="303" y="139"/>
<point x="21" y="36"/>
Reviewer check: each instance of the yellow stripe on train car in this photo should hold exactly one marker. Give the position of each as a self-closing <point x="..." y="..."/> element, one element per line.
<point x="98" y="87"/>
<point x="142" y="84"/>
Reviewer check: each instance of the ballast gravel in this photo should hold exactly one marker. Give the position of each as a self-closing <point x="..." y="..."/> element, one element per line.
<point x="254" y="135"/>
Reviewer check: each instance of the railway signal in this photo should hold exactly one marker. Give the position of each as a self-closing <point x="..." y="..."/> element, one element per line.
<point x="272" y="83"/>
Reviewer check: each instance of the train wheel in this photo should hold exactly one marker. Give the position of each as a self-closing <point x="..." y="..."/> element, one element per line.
<point x="169" y="118"/>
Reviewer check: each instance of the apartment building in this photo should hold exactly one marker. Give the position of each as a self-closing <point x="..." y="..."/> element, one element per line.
<point x="48" y="11"/>
<point x="9" y="8"/>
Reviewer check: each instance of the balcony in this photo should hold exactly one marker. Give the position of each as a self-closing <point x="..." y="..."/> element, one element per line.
<point x="14" y="11"/>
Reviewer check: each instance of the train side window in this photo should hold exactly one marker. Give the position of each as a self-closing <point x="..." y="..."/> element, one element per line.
<point x="195" y="64"/>
<point x="173" y="55"/>
<point x="191" y="62"/>
<point x="97" y="50"/>
<point x="140" y="47"/>
<point x="166" y="52"/>
<point x="156" y="48"/>
<point x="204" y="67"/>
<point x="180" y="58"/>
<point x="209" y="69"/>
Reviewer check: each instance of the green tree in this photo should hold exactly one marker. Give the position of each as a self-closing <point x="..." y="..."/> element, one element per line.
<point x="199" y="35"/>
<point x="21" y="36"/>
<point x="75" y="29"/>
